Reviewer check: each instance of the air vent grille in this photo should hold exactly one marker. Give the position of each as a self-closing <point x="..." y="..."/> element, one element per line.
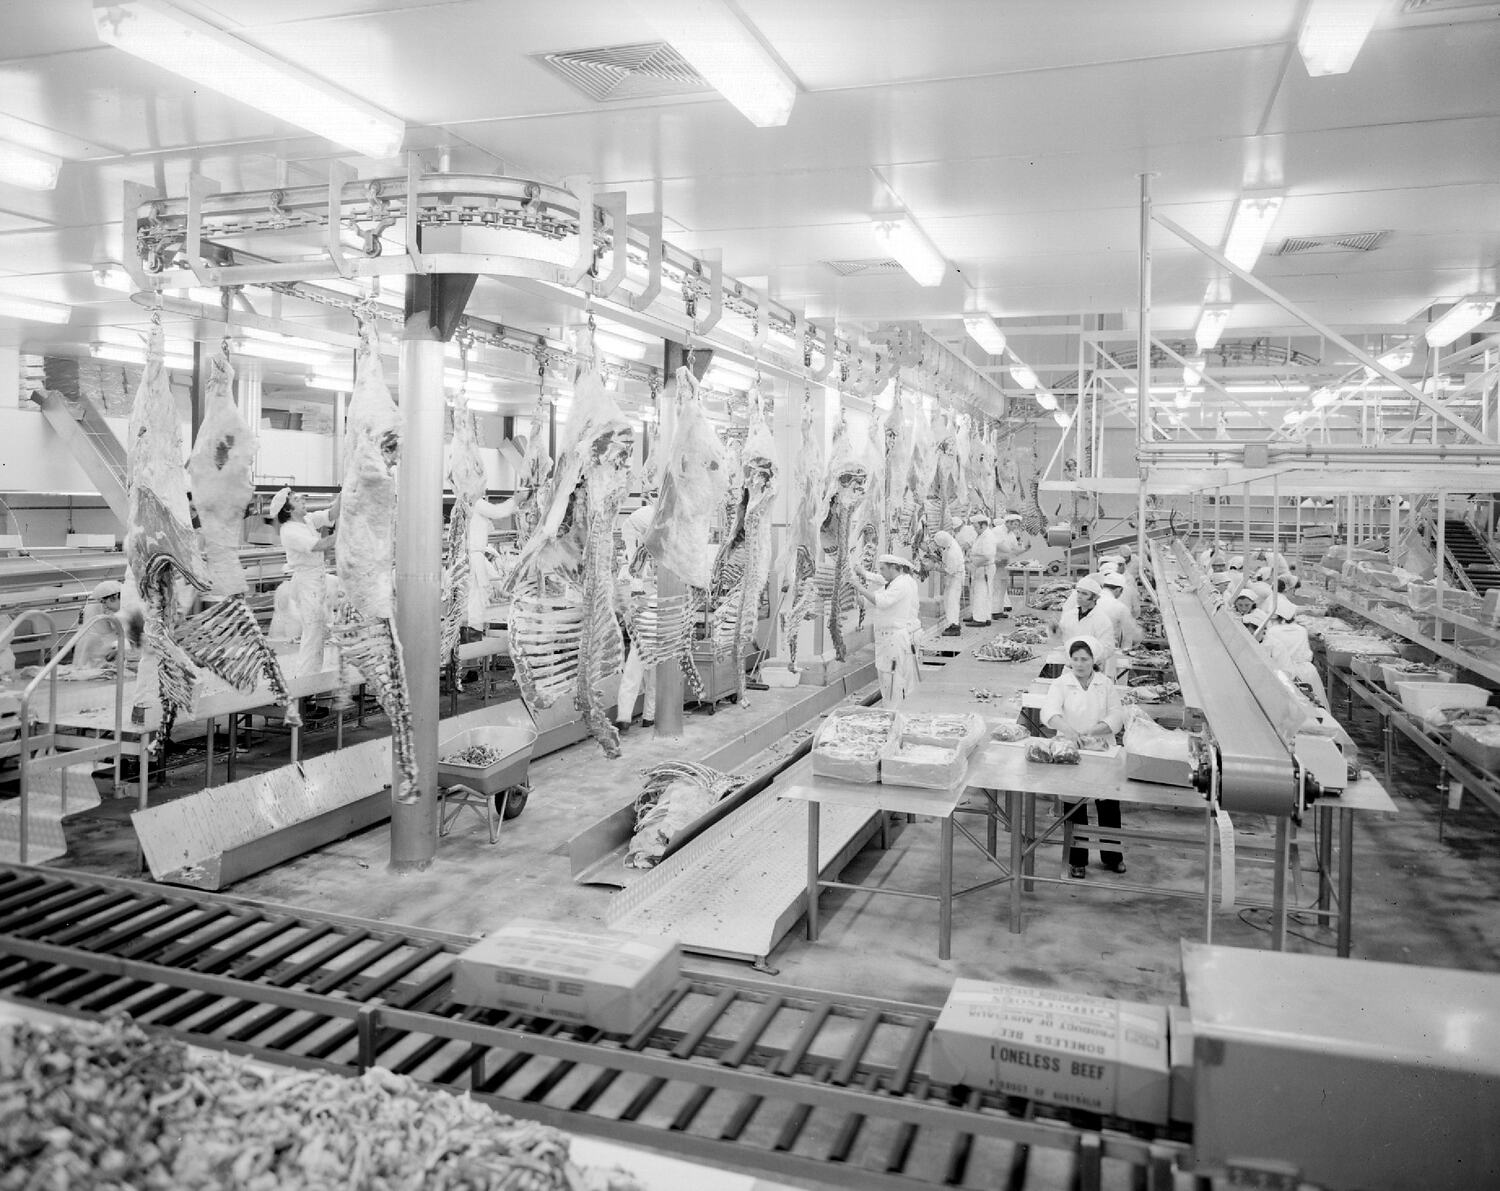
<point x="612" y="73"/>
<point x="865" y="268"/>
<point x="1343" y="242"/>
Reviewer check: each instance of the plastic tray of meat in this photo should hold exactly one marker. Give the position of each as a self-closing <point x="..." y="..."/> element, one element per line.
<point x="1003" y="649"/>
<point x="927" y="766"/>
<point x="1056" y="751"/>
<point x="488" y="759"/>
<point x="1010" y="733"/>
<point x="850" y="742"/>
<point x="962" y="732"/>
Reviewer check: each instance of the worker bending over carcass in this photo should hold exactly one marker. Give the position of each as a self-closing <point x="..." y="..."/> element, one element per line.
<point x="951" y="564"/>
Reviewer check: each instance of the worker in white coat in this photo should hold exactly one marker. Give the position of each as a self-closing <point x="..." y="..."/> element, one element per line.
<point x="98" y="644"/>
<point x="982" y="573"/>
<point x="1007" y="549"/>
<point x="1286" y="644"/>
<point x="1084" y="618"/>
<point x="306" y="549"/>
<point x="951" y="564"/>
<point x="1082" y="702"/>
<point x="895" y="621"/>
<point x="481" y="572"/>
<point x="1127" y="629"/>
<point x="638" y="586"/>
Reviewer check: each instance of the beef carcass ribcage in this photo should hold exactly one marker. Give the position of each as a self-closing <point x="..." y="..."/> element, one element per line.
<point x="601" y="644"/>
<point x="546" y="633"/>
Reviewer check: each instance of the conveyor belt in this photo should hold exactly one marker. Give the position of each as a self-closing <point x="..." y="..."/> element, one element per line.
<point x="748" y="1074"/>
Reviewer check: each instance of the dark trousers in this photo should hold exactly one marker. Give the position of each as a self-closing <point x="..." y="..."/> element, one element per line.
<point x="1107" y="814"/>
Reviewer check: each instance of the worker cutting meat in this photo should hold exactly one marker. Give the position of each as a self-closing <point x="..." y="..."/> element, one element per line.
<point x="97" y="645"/>
<point x="982" y="573"/>
<point x="895" y="622"/>
<point x="951" y="563"/>
<point x="1286" y="644"/>
<point x="305" y="546"/>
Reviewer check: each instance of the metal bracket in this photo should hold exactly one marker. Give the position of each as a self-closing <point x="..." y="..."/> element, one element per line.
<point x="651" y="225"/>
<point x="829" y="339"/>
<point x="613" y="203"/>
<point x="132" y="196"/>
<point x="713" y="258"/>
<point x="442" y="296"/>
<point x="198" y="189"/>
<point x="762" y="320"/>
<point x="413" y="227"/>
<point x="339" y="174"/>
<point x="581" y="187"/>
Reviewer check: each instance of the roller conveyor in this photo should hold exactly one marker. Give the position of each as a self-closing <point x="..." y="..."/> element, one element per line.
<point x="745" y="1073"/>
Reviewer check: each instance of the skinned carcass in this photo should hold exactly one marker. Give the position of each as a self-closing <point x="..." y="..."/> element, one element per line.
<point x="920" y="479"/>
<point x="573" y="545"/>
<point x="161" y="545"/>
<point x="466" y="476"/>
<point x="843" y="493"/>
<point x="226" y="638"/>
<point x="734" y="618"/>
<point x="365" y="633"/>
<point x="798" y="564"/>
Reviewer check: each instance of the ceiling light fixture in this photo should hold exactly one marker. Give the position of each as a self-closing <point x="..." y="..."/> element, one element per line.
<point x="1272" y="388"/>
<point x="1183" y="399"/>
<point x="108" y="275"/>
<point x="335" y="384"/>
<point x="900" y="236"/>
<point x="1462" y="317"/>
<point x="1063" y="418"/>
<point x="28" y="168"/>
<point x="1211" y="325"/>
<point x="719" y="46"/>
<point x="1324" y="397"/>
<point x="1023" y="375"/>
<point x="1333" y="33"/>
<point x="1046" y="399"/>
<point x="1192" y="371"/>
<point x="1251" y="226"/>
<point x="34" y="310"/>
<point x="166" y="36"/>
<point x="984" y="331"/>
<point x="136" y="355"/>
<point x="288" y="353"/>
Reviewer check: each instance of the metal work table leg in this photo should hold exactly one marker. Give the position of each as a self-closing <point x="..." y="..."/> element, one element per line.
<point x="296" y="743"/>
<point x="1390" y="744"/>
<point x="1278" y="898"/>
<point x="1209" y="824"/>
<point x="1017" y="849"/>
<point x="945" y="891"/>
<point x="992" y="822"/>
<point x="1325" y="855"/>
<point x="208" y="754"/>
<point x="1028" y="833"/>
<point x="812" y="872"/>
<point x="234" y="745"/>
<point x="1346" y="881"/>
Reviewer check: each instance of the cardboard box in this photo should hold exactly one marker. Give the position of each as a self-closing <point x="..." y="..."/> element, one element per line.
<point x="1068" y="1049"/>
<point x="1180" y="1052"/>
<point x="611" y="982"/>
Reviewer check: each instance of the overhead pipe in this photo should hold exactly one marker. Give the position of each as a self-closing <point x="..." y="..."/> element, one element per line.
<point x="1418" y="453"/>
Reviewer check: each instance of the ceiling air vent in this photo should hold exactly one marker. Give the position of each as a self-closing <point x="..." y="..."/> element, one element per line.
<point x="866" y="268"/>
<point x="1349" y="242"/>
<point x="611" y="73"/>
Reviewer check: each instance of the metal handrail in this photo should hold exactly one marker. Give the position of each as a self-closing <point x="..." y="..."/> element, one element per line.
<point x="49" y="628"/>
<point x="49" y="672"/>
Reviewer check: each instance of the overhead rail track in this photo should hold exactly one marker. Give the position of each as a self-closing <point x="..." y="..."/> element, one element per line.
<point x="745" y="1073"/>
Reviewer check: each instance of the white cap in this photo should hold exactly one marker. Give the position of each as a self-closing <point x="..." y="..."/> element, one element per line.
<point x="1090" y="584"/>
<point x="110" y="587"/>
<point x="896" y="560"/>
<point x="1285" y="608"/>
<point x="1256" y="618"/>
<point x="278" y="502"/>
<point x="1013" y="517"/>
<point x="980" y="519"/>
<point x="1089" y="643"/>
<point x="1113" y="580"/>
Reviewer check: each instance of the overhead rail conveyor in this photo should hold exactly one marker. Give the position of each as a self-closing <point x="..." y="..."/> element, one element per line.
<point x="748" y="1074"/>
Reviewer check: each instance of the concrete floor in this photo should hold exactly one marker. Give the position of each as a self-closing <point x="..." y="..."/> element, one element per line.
<point x="1418" y="899"/>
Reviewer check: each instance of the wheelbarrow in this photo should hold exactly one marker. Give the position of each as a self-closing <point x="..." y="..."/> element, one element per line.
<point x="497" y="791"/>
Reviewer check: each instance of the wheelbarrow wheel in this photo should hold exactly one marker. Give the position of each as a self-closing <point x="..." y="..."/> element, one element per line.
<point x="516" y="803"/>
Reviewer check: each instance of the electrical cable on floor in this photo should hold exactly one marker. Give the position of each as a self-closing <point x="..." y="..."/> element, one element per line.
<point x="1291" y="915"/>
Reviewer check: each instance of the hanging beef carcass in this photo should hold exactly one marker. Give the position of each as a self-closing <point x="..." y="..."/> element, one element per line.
<point x="365" y="633"/>
<point x="161" y="545"/>
<point x="943" y="496"/>
<point x="982" y="486"/>
<point x="920" y="479"/>
<point x="572" y="549"/>
<point x="536" y="470"/>
<point x="467" y="478"/>
<point x="798" y="564"/>
<point x="226" y="638"/>
<point x="843" y="493"/>
<point x="734" y="618"/>
<point x="897" y="471"/>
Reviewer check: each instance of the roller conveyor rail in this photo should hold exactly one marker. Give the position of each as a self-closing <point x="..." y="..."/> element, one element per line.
<point x="744" y="1073"/>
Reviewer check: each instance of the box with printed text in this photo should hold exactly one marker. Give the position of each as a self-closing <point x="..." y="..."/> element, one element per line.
<point x="612" y="983"/>
<point x="1069" y="1049"/>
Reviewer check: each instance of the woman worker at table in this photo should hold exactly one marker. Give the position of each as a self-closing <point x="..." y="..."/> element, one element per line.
<point x="895" y="623"/>
<point x="1083" y="702"/>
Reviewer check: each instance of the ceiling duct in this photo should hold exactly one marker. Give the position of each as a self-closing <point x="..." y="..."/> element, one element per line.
<point x="865" y="268"/>
<point x="1341" y="242"/>
<point x="610" y="74"/>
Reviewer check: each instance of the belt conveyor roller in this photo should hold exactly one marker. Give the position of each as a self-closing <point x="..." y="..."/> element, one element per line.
<point x="744" y="1073"/>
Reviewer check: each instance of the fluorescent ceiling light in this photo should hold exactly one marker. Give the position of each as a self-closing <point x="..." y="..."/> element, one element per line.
<point x="1045" y="399"/>
<point x="1211" y="325"/>
<point x="1183" y="399"/>
<point x="1394" y="360"/>
<point x="34" y="310"/>
<point x="722" y="372"/>
<point x="719" y="46"/>
<point x="1063" y="419"/>
<point x="1023" y="375"/>
<point x="984" y="331"/>
<point x="1192" y="371"/>
<point x="136" y="355"/>
<point x="620" y="345"/>
<point x="1251" y="225"/>
<point x="1293" y="416"/>
<point x="336" y="384"/>
<point x="1462" y="317"/>
<point x="1333" y="32"/>
<point x="903" y="239"/>
<point x="176" y="41"/>
<point x="1288" y="389"/>
<point x="28" y="168"/>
